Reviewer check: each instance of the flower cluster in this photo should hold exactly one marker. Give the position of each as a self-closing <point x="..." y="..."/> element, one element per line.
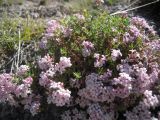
<point x="139" y="112"/>
<point x="52" y="26"/>
<point x="106" y="75"/>
<point x="43" y="43"/>
<point x="59" y="95"/>
<point x="142" y="23"/>
<point x="134" y="31"/>
<point x="6" y="88"/>
<point x="87" y="48"/>
<point x="95" y="90"/>
<point x="96" y="113"/>
<point x="74" y="114"/>
<point x="150" y="100"/>
<point x="63" y="64"/>
<point x="45" y="62"/>
<point x="132" y="34"/>
<point x="32" y="103"/>
<point x="24" y="89"/>
<point x="124" y="80"/>
<point x="100" y="60"/>
<point x="133" y="56"/>
<point x="115" y="54"/>
<point x="23" y="69"/>
<point x="15" y="94"/>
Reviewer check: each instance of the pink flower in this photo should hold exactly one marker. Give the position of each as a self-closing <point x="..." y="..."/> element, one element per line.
<point x="22" y="91"/>
<point x="115" y="54"/>
<point x="96" y="112"/>
<point x="95" y="90"/>
<point x="56" y="85"/>
<point x="34" y="108"/>
<point x="52" y="26"/>
<point x="51" y="72"/>
<point x="143" y="81"/>
<point x="86" y="52"/>
<point x="63" y="64"/>
<point x="88" y="45"/>
<point x="127" y="38"/>
<point x="44" y="80"/>
<point x="100" y="60"/>
<point x="142" y="23"/>
<point x="32" y="103"/>
<point x="121" y="92"/>
<point x="59" y="97"/>
<point x="106" y="75"/>
<point x="135" y="32"/>
<point x="124" y="79"/>
<point x="66" y="31"/>
<point x="45" y="62"/>
<point x="43" y="43"/>
<point x="28" y="81"/>
<point x="7" y="88"/>
<point x="139" y="22"/>
<point x="87" y="48"/>
<point x="150" y="100"/>
<point x="23" y="69"/>
<point x="139" y="112"/>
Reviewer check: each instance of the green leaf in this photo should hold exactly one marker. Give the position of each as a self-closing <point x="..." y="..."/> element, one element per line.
<point x="77" y="75"/>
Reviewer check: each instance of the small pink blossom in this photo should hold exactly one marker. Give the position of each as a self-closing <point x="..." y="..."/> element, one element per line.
<point x="150" y="100"/>
<point x="23" y="69"/>
<point x="45" y="62"/>
<point x="100" y="60"/>
<point x="135" y="32"/>
<point x="43" y="43"/>
<point x="87" y="44"/>
<point x="86" y="52"/>
<point x="52" y="26"/>
<point x="63" y="64"/>
<point x="28" y="81"/>
<point x="59" y="97"/>
<point x="87" y="48"/>
<point x="124" y="79"/>
<point x="44" y="80"/>
<point x="115" y="54"/>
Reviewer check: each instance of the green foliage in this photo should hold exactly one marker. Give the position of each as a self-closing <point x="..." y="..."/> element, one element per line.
<point x="13" y="29"/>
<point x="111" y="2"/>
<point x="98" y="28"/>
<point x="77" y="75"/>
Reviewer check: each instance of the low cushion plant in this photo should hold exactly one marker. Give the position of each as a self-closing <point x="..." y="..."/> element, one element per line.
<point x="92" y="65"/>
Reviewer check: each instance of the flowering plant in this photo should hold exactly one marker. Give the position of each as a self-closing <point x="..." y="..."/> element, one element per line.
<point x="99" y="67"/>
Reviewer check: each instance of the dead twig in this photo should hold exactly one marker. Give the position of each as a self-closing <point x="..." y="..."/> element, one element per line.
<point x="123" y="11"/>
<point x="134" y="2"/>
<point x="19" y="49"/>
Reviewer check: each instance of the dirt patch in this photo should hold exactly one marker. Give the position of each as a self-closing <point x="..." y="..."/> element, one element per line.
<point x="33" y="9"/>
